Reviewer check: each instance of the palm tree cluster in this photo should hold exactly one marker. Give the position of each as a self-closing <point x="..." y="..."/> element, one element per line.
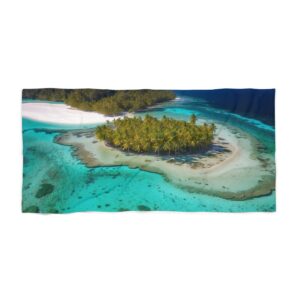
<point x="67" y="95"/>
<point x="151" y="135"/>
<point x="130" y="101"/>
<point x="108" y="102"/>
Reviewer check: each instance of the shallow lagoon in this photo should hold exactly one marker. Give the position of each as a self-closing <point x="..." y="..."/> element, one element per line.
<point x="78" y="188"/>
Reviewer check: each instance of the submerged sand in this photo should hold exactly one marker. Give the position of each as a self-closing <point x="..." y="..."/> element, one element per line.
<point x="61" y="114"/>
<point x="233" y="169"/>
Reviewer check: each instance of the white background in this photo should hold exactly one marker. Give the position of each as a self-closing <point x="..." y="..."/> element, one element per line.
<point x="150" y="44"/>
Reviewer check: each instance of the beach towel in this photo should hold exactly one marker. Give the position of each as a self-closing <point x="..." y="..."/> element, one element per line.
<point x="148" y="150"/>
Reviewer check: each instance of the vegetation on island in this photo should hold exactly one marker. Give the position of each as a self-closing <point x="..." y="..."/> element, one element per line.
<point x="108" y="102"/>
<point x="151" y="135"/>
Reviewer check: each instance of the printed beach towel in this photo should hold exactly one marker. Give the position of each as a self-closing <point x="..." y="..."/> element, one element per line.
<point x="148" y="150"/>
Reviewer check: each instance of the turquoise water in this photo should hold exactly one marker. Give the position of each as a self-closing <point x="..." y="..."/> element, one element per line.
<point x="78" y="188"/>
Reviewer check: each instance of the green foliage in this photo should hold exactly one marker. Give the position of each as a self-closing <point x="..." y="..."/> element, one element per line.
<point x="107" y="102"/>
<point x="122" y="101"/>
<point x="193" y="119"/>
<point x="80" y="95"/>
<point x="45" y="94"/>
<point x="151" y="135"/>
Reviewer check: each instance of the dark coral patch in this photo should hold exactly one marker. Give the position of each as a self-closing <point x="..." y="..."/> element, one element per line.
<point x="31" y="209"/>
<point x="45" y="189"/>
<point x="123" y="209"/>
<point x="143" y="208"/>
<point x="52" y="211"/>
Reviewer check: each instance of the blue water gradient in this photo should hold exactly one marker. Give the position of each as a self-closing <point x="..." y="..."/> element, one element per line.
<point x="79" y="188"/>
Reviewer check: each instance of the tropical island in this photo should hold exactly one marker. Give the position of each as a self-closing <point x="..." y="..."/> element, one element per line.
<point x="151" y="135"/>
<point x="226" y="166"/>
<point x="144" y="160"/>
<point x="107" y="102"/>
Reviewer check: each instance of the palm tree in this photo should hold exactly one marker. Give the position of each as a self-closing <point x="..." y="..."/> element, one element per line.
<point x="153" y="135"/>
<point x="193" y="119"/>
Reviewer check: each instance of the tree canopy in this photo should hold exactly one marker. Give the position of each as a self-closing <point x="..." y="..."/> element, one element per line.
<point x="151" y="135"/>
<point x="108" y="102"/>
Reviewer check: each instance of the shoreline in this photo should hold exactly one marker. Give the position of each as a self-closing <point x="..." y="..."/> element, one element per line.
<point x="234" y="173"/>
<point x="59" y="113"/>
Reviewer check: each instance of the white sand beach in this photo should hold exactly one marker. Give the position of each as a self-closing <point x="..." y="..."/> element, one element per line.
<point x="61" y="114"/>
